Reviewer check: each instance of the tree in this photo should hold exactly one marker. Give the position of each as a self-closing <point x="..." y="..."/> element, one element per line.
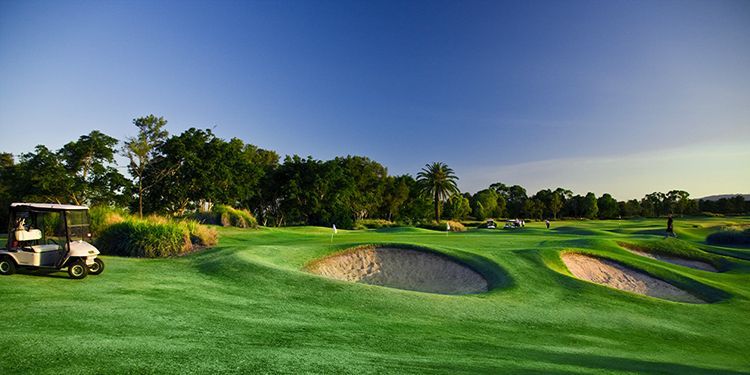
<point x="417" y="208"/>
<point x="368" y="177"/>
<point x="608" y="208"/>
<point x="737" y="204"/>
<point x="555" y="204"/>
<point x="438" y="181"/>
<point x="655" y="202"/>
<point x="589" y="208"/>
<point x="395" y="195"/>
<point x="41" y="176"/>
<point x="485" y="204"/>
<point x="502" y="204"/>
<point x="552" y="201"/>
<point x="630" y="208"/>
<point x="573" y="206"/>
<point x="479" y="211"/>
<point x="141" y="148"/>
<point x="457" y="207"/>
<point x="533" y="208"/>
<point x="90" y="163"/>
<point x="678" y="201"/>
<point x="8" y="184"/>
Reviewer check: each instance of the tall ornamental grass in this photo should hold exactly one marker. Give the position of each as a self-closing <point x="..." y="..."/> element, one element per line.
<point x="227" y="216"/>
<point x="117" y="233"/>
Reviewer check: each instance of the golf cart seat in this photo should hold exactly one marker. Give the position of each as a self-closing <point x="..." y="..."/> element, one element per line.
<point x="28" y="235"/>
<point x="45" y="248"/>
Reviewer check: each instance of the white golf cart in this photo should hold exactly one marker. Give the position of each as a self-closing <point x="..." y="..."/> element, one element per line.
<point x="51" y="237"/>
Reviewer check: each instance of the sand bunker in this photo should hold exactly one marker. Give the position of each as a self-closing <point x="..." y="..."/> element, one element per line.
<point x="697" y="264"/>
<point x="615" y="275"/>
<point x="403" y="269"/>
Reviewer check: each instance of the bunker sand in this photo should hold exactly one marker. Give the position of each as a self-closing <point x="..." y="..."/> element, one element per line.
<point x="403" y="269"/>
<point x="696" y="264"/>
<point x="615" y="275"/>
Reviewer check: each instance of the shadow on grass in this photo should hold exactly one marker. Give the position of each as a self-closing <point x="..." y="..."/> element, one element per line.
<point x="736" y="252"/>
<point x="55" y="274"/>
<point x="652" y="232"/>
<point x="609" y="363"/>
<point x="577" y="231"/>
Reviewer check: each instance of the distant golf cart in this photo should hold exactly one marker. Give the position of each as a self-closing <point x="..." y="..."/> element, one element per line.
<point x="490" y="224"/>
<point x="50" y="237"/>
<point x="513" y="224"/>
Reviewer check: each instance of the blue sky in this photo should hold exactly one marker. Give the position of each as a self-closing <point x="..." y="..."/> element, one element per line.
<point x="625" y="97"/>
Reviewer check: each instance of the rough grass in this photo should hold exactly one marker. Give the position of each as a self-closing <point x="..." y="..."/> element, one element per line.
<point x="227" y="216"/>
<point x="118" y="233"/>
<point x="245" y="306"/>
<point x="374" y="224"/>
<point x="102" y="217"/>
<point x="443" y="226"/>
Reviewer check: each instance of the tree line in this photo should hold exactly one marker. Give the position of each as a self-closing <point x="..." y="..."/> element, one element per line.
<point x="194" y="170"/>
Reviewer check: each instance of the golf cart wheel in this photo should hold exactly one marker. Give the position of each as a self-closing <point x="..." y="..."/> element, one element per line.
<point x="77" y="269"/>
<point x="7" y="266"/>
<point x="97" y="267"/>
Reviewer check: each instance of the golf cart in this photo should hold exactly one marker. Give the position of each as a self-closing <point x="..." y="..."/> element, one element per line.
<point x="513" y="224"/>
<point x="51" y="237"/>
<point x="490" y="224"/>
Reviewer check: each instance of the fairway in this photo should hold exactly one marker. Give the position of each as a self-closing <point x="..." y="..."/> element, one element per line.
<point x="247" y="306"/>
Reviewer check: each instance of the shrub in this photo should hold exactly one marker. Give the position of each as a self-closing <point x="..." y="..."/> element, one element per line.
<point x="101" y="217"/>
<point x="227" y="216"/>
<point x="200" y="234"/>
<point x="374" y="224"/>
<point x="454" y="225"/>
<point x="153" y="237"/>
<point x="729" y="236"/>
<point x="143" y="238"/>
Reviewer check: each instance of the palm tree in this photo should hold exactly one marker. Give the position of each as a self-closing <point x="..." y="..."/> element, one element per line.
<point x="437" y="181"/>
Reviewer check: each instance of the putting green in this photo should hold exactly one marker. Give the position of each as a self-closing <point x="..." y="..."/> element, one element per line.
<point x="249" y="306"/>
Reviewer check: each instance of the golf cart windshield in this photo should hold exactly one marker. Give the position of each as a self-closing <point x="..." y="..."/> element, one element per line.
<point x="78" y="225"/>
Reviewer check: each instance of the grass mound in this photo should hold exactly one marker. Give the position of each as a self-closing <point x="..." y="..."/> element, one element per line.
<point x="677" y="252"/>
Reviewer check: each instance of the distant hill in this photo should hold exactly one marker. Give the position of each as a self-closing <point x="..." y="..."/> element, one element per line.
<point x="719" y="196"/>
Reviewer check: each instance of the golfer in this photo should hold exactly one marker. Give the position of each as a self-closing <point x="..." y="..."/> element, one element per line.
<point x="547" y="222"/>
<point x="670" y="228"/>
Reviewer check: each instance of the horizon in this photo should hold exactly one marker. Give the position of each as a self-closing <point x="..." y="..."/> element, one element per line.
<point x="625" y="98"/>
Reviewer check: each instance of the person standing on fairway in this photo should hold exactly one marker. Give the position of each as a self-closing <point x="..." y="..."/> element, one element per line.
<point x="547" y="222"/>
<point x="670" y="227"/>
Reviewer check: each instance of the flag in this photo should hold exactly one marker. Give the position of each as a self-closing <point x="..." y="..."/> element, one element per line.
<point x="448" y="227"/>
<point x="334" y="229"/>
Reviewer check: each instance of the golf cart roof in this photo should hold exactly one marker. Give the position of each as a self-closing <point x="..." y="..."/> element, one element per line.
<point x="48" y="206"/>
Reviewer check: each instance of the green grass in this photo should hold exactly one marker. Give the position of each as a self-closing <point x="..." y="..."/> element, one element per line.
<point x="245" y="307"/>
